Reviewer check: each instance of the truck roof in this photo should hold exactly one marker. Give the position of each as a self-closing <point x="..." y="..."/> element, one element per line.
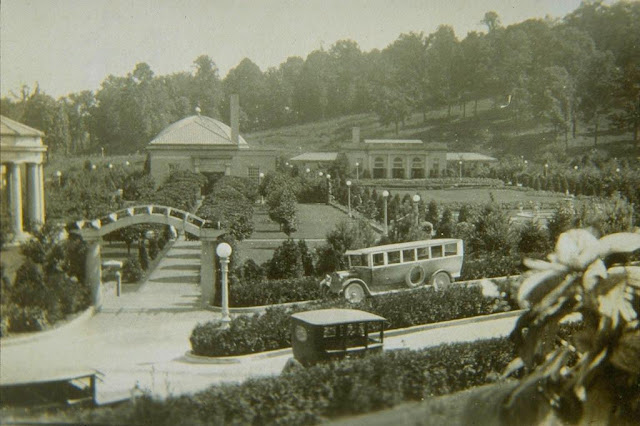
<point x="402" y="246"/>
<point x="336" y="316"/>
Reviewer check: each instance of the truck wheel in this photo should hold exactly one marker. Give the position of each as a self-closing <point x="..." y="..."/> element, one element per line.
<point x="354" y="293"/>
<point x="415" y="277"/>
<point x="440" y="280"/>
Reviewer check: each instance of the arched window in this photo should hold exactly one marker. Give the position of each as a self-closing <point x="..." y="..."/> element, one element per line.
<point x="398" y="168"/>
<point x="379" y="168"/>
<point x="417" y="168"/>
<point x="435" y="168"/>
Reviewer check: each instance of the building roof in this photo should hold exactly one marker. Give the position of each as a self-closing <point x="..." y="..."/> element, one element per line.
<point x="468" y="156"/>
<point x="9" y="127"/>
<point x="197" y="130"/>
<point x="316" y="156"/>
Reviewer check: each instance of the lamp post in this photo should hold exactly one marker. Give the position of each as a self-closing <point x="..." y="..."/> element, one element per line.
<point x="357" y="171"/>
<point x="308" y="170"/>
<point x="349" y="195"/>
<point x="224" y="251"/>
<point x="59" y="176"/>
<point x="460" y="169"/>
<point x="385" y="197"/>
<point x="416" y="200"/>
<point x="328" y="188"/>
<point x="546" y="168"/>
<point x="260" y="176"/>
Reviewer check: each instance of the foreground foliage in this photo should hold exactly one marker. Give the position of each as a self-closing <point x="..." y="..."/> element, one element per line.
<point x="589" y="276"/>
<point x="316" y="394"/>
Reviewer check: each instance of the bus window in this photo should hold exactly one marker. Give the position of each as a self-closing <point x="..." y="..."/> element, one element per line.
<point x="359" y="260"/>
<point x="393" y="257"/>
<point x="436" y="251"/>
<point x="423" y="253"/>
<point x="378" y="259"/>
<point x="408" y="255"/>
<point x="450" y="249"/>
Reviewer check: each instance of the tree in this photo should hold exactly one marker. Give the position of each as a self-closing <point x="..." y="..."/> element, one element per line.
<point x="286" y="262"/>
<point x="491" y="20"/>
<point x="596" y="87"/>
<point x="283" y="209"/>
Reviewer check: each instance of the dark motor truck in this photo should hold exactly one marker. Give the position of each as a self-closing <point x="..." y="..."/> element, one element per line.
<point x="329" y="334"/>
<point x="436" y="262"/>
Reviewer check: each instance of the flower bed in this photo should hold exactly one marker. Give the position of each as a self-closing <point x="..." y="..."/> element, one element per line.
<point x="270" y="331"/>
<point x="313" y="395"/>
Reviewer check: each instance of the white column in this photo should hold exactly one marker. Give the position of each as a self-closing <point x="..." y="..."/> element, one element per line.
<point x="33" y="196"/>
<point x="207" y="271"/>
<point x="93" y="271"/>
<point x="41" y="191"/>
<point x="16" y="200"/>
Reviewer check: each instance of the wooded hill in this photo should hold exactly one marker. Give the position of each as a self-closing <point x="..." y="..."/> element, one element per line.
<point x="503" y="90"/>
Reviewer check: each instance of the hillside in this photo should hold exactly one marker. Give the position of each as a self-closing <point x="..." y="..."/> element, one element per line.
<point x="492" y="131"/>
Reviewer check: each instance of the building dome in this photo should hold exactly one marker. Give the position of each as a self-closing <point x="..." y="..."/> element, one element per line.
<point x="198" y="130"/>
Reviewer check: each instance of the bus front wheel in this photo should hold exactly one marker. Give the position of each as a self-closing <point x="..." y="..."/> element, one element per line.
<point x="440" y="280"/>
<point x="354" y="293"/>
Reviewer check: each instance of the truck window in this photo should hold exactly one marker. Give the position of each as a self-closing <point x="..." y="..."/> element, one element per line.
<point x="436" y="251"/>
<point x="359" y="260"/>
<point x="378" y="259"/>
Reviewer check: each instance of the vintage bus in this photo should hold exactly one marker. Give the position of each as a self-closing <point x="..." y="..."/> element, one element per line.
<point x="436" y="262"/>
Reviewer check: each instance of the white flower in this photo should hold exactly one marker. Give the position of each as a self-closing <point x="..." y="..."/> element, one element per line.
<point x="489" y="289"/>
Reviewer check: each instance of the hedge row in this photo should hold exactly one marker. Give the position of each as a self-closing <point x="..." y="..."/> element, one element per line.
<point x="316" y="394"/>
<point x="270" y="331"/>
<point x="271" y="292"/>
<point x="432" y="182"/>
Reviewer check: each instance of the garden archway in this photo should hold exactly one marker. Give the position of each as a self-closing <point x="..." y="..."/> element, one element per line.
<point x="92" y="231"/>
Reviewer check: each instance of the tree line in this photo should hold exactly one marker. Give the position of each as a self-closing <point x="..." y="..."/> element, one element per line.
<point x="584" y="67"/>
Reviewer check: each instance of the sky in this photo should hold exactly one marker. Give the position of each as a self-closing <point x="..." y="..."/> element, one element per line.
<point x="72" y="45"/>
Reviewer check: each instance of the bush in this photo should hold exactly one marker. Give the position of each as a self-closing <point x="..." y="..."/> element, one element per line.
<point x="23" y="319"/>
<point x="313" y="395"/>
<point x="249" y="334"/>
<point x="254" y="293"/>
<point x="491" y="265"/>
<point x="286" y="262"/>
<point x="131" y="270"/>
<point x="251" y="272"/>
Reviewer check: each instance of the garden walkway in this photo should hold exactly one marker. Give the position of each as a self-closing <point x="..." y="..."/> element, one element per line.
<point x="140" y="339"/>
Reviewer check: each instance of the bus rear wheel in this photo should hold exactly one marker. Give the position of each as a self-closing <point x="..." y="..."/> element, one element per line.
<point x="415" y="277"/>
<point x="440" y="280"/>
<point x="354" y="293"/>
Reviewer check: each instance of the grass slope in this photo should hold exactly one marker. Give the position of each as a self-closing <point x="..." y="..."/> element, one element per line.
<point x="491" y="131"/>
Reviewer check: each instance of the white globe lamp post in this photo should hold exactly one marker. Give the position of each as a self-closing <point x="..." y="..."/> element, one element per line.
<point x="224" y="252"/>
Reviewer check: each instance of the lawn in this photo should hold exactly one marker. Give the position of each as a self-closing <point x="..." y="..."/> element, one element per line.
<point x="482" y="195"/>
<point x="314" y="222"/>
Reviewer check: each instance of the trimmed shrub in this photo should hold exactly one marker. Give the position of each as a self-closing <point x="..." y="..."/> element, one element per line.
<point x="131" y="270"/>
<point x="257" y="293"/>
<point x="250" y="334"/>
<point x="492" y="265"/>
<point x="313" y="395"/>
<point x="286" y="262"/>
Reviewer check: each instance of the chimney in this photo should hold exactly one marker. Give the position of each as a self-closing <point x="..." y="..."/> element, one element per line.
<point x="235" y="119"/>
<point x="355" y="135"/>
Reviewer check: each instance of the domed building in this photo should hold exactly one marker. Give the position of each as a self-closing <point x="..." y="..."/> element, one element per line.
<point x="204" y="145"/>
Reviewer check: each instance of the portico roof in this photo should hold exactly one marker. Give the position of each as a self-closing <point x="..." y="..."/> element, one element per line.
<point x="9" y="127"/>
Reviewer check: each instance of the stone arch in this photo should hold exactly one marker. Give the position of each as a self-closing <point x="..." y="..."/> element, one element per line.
<point x="92" y="231"/>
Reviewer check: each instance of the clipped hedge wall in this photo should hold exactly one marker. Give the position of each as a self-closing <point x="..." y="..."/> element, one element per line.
<point x="274" y="291"/>
<point x="320" y="393"/>
<point x="270" y="331"/>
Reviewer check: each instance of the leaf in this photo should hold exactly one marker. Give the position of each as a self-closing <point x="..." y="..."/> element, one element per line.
<point x="542" y="265"/>
<point x="593" y="274"/>
<point x="515" y="365"/>
<point x="630" y="273"/>
<point x="626" y="354"/>
<point x="537" y="284"/>
<point x="615" y="305"/>
<point x="622" y="242"/>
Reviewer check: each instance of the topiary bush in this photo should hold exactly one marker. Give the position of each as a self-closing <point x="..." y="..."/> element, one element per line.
<point x="131" y="270"/>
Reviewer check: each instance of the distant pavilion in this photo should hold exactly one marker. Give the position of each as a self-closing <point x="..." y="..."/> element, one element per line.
<point x="22" y="155"/>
